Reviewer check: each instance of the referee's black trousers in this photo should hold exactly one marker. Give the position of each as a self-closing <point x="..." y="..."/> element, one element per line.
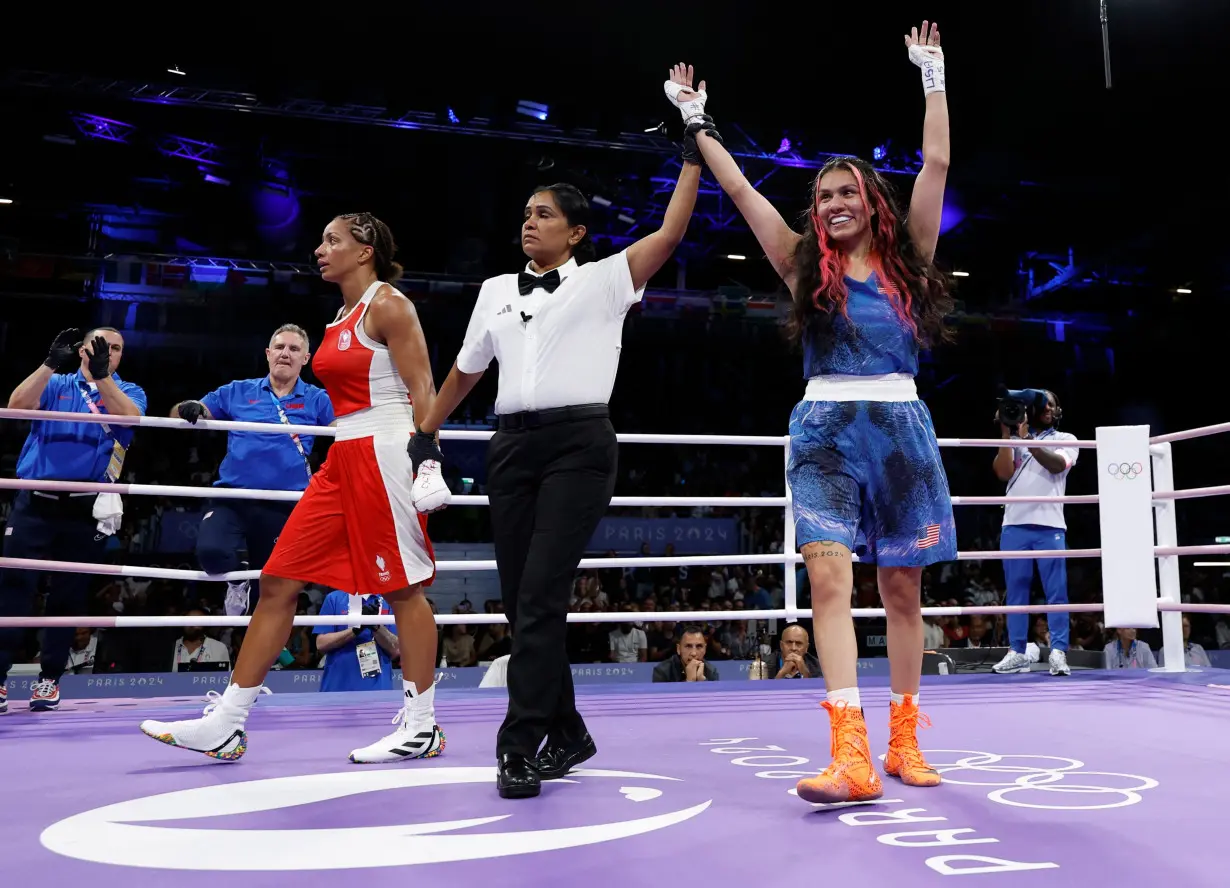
<point x="549" y="487"/>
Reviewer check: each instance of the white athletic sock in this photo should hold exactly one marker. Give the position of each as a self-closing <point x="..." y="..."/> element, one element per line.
<point x="900" y="698"/>
<point x="422" y="706"/>
<point x="849" y="696"/>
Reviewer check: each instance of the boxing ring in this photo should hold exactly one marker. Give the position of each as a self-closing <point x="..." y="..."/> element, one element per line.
<point x="1044" y="778"/>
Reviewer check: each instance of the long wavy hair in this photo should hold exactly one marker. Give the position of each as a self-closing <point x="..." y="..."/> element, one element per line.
<point x="917" y="290"/>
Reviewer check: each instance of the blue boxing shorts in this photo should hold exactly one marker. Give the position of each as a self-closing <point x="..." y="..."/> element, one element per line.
<point x="868" y="475"/>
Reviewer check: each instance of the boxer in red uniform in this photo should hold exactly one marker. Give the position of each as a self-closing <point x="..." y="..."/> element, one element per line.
<point x="360" y="525"/>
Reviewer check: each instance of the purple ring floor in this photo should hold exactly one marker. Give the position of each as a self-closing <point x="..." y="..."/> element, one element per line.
<point x="1074" y="778"/>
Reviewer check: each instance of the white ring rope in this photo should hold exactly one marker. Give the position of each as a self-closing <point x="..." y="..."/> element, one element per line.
<point x="460" y="500"/>
<point x="573" y="617"/>
<point x="160" y="422"/>
<point x="789" y="613"/>
<point x="1202" y="432"/>
<point x="167" y="573"/>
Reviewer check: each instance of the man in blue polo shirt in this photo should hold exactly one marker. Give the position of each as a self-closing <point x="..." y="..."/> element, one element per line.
<point x="65" y="526"/>
<point x="258" y="460"/>
<point x="358" y="658"/>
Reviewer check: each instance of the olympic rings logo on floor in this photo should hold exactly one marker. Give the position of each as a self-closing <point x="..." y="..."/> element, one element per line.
<point x="1022" y="785"/>
<point x="1127" y="471"/>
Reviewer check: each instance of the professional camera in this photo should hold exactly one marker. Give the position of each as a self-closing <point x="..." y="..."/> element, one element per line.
<point x="1018" y="405"/>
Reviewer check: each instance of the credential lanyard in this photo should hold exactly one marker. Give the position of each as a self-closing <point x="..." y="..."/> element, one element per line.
<point x="118" y="451"/>
<point x="1024" y="461"/>
<point x="294" y="437"/>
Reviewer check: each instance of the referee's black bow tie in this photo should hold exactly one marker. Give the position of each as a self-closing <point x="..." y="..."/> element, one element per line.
<point x="526" y="282"/>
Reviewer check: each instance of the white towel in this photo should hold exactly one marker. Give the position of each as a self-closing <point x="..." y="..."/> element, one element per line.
<point x="109" y="510"/>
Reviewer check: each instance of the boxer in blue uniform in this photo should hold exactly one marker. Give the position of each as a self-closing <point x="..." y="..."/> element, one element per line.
<point x="864" y="471"/>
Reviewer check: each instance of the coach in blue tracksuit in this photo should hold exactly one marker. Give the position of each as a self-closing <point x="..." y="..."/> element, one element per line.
<point x="258" y="460"/>
<point x="65" y="526"/>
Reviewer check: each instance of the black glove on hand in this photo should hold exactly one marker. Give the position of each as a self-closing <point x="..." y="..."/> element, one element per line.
<point x="371" y="608"/>
<point x="421" y="448"/>
<point x="98" y="358"/>
<point x="191" y="411"/>
<point x="63" y="349"/>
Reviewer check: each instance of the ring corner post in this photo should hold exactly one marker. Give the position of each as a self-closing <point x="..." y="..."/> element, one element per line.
<point x="1125" y="501"/>
<point x="1166" y="527"/>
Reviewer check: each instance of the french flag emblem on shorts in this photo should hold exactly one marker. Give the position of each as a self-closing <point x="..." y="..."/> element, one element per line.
<point x="929" y="536"/>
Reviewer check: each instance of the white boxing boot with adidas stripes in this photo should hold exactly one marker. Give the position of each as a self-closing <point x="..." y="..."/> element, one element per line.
<point x="417" y="735"/>
<point x="219" y="733"/>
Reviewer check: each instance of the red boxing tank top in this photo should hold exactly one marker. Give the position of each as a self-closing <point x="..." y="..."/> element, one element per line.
<point x="357" y="371"/>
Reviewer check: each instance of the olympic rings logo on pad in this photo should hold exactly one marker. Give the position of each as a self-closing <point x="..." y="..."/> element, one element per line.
<point x="1128" y="471"/>
<point x="1052" y="787"/>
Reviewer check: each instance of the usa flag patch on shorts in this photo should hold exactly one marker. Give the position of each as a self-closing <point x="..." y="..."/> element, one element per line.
<point x="929" y="536"/>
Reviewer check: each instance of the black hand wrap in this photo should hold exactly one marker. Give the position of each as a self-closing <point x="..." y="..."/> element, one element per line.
<point x="421" y="448"/>
<point x="98" y="358"/>
<point x="191" y="411"/>
<point x="691" y="151"/>
<point x="63" y="349"/>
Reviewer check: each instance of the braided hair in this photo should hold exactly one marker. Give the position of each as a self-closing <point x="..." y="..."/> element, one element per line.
<point x="370" y="231"/>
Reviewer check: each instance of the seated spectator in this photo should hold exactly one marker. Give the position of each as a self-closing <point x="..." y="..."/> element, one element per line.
<point x="82" y="652"/>
<point x="194" y="650"/>
<point x="976" y="637"/>
<point x="933" y="634"/>
<point x="1193" y="654"/>
<point x="1042" y="632"/>
<point x="792" y="659"/>
<point x="459" y="646"/>
<point x="1128" y="653"/>
<point x="496" y="642"/>
<point x="688" y="662"/>
<point x="628" y="644"/>
<point x="738" y="643"/>
<point x="357" y="658"/>
<point x="661" y="639"/>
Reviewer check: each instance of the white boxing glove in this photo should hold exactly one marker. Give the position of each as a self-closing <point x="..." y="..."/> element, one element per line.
<point x="931" y="60"/>
<point x="693" y="109"/>
<point x="429" y="492"/>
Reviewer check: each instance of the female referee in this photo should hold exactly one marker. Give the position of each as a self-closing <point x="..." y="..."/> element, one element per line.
<point x="555" y="329"/>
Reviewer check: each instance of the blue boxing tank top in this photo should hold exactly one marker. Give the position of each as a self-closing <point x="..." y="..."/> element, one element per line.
<point x="872" y="341"/>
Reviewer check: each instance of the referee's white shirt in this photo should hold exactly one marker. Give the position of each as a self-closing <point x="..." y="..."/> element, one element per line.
<point x="567" y="352"/>
<point x="1029" y="478"/>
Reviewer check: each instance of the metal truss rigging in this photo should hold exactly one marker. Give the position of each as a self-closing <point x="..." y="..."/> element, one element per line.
<point x="652" y="142"/>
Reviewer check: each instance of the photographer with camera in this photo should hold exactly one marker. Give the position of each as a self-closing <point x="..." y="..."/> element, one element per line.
<point x="1033" y="415"/>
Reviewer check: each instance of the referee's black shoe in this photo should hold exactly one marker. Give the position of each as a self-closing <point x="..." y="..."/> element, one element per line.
<point x="556" y="760"/>
<point x="516" y="778"/>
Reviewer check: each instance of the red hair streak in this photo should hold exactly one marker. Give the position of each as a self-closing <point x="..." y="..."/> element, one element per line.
<point x="885" y="258"/>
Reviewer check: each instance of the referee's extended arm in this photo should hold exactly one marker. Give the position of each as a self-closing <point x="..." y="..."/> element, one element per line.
<point x="457" y="385"/>
<point x="650" y="253"/>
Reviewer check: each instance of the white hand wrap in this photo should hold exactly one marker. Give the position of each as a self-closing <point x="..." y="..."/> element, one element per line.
<point x="691" y="110"/>
<point x="931" y="60"/>
<point x="429" y="492"/>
